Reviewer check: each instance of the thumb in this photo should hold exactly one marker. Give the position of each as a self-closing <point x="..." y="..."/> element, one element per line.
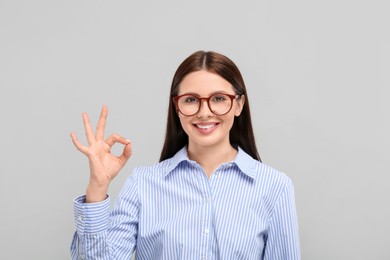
<point x="126" y="154"/>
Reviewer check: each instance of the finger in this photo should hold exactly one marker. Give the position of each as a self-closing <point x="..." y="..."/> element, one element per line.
<point x="78" y="145"/>
<point x="88" y="129"/>
<point x="126" y="153"/>
<point x="101" y="123"/>
<point x="115" y="138"/>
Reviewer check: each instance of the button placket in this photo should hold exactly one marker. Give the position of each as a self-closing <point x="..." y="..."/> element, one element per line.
<point x="207" y="218"/>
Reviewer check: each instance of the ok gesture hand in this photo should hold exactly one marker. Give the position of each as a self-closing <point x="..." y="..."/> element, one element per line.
<point x="104" y="166"/>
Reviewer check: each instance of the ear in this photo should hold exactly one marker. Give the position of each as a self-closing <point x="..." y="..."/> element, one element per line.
<point x="240" y="105"/>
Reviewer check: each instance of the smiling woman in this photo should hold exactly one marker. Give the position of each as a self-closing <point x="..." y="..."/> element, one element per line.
<point x="222" y="71"/>
<point x="209" y="197"/>
<point x="208" y="131"/>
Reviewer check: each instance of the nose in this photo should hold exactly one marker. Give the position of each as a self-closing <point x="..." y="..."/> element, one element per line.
<point x="204" y="110"/>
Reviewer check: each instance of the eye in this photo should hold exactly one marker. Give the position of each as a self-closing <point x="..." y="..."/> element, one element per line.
<point x="218" y="98"/>
<point x="190" y="99"/>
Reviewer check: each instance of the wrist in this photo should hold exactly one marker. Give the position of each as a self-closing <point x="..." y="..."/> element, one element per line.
<point x="96" y="193"/>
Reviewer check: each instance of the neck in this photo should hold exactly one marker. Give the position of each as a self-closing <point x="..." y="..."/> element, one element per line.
<point x="210" y="158"/>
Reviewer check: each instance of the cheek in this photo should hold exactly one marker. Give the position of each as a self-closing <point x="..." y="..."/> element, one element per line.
<point x="229" y="119"/>
<point x="181" y="121"/>
<point x="184" y="121"/>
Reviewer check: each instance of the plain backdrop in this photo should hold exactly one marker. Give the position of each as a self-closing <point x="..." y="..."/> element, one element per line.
<point x="318" y="78"/>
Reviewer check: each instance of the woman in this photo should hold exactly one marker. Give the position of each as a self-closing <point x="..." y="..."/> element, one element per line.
<point x="209" y="197"/>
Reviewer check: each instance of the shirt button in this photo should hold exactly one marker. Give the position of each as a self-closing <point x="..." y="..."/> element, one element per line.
<point x="80" y="218"/>
<point x="208" y="200"/>
<point x="206" y="231"/>
<point x="82" y="257"/>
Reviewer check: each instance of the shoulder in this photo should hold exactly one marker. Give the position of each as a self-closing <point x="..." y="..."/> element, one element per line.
<point x="157" y="169"/>
<point x="274" y="180"/>
<point x="268" y="182"/>
<point x="261" y="173"/>
<point x="163" y="168"/>
<point x="272" y="187"/>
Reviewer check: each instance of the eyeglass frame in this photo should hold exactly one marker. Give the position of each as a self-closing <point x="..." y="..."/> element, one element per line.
<point x="232" y="97"/>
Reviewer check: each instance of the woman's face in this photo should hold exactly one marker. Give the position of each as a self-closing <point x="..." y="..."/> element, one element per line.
<point x="205" y="129"/>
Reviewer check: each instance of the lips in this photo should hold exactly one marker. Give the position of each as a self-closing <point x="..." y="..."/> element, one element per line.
<point x="206" y="128"/>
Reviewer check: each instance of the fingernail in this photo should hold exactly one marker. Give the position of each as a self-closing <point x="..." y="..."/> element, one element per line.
<point x="128" y="141"/>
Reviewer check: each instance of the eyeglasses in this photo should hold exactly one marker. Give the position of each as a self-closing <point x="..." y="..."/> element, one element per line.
<point x="219" y="103"/>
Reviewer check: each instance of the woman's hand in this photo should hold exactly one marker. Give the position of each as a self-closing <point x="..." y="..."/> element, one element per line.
<point x="104" y="166"/>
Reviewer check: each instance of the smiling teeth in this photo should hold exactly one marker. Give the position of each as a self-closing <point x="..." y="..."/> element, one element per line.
<point x="205" y="126"/>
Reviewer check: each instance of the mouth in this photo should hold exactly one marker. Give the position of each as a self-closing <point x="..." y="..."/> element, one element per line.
<point x="206" y="128"/>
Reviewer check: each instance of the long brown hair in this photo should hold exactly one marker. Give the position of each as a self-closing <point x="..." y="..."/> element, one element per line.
<point x="241" y="133"/>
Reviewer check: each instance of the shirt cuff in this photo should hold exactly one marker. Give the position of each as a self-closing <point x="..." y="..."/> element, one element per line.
<point x="91" y="218"/>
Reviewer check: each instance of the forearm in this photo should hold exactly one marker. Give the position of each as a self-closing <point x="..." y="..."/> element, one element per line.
<point x="92" y="223"/>
<point x="101" y="234"/>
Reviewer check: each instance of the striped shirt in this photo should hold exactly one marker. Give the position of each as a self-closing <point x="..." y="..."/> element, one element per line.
<point x="171" y="210"/>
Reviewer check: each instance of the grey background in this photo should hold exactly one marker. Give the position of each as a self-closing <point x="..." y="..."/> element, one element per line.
<point x="318" y="79"/>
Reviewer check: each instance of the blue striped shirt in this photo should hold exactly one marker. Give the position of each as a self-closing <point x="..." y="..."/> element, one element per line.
<point x="171" y="210"/>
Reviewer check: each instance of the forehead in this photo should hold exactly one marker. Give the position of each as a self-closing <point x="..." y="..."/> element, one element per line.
<point x="204" y="83"/>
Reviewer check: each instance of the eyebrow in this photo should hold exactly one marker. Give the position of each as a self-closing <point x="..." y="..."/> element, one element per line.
<point x="212" y="93"/>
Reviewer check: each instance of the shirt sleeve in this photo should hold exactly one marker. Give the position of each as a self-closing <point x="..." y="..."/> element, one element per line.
<point x="103" y="235"/>
<point x="282" y="241"/>
<point x="92" y="221"/>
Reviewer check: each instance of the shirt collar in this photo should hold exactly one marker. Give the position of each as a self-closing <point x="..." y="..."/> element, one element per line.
<point x="244" y="162"/>
<point x="179" y="157"/>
